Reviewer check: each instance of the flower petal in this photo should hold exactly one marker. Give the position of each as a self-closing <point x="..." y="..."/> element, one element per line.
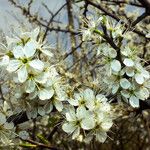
<point x="45" y="94"/>
<point x="18" y="52"/>
<point x="13" y="65"/>
<point x="22" y="74"/>
<point x="125" y="84"/>
<point x="101" y="136"/>
<point x="76" y="133"/>
<point x="128" y="62"/>
<point x="116" y="65"/>
<point x="139" y="78"/>
<point x="88" y="123"/>
<point x="37" y="64"/>
<point x="30" y="48"/>
<point x="30" y="86"/>
<point x="130" y="71"/>
<point x="68" y="127"/>
<point x="134" y="101"/>
<point x="58" y="104"/>
<point x="106" y="125"/>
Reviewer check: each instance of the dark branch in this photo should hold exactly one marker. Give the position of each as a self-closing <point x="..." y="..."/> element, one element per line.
<point x="140" y="18"/>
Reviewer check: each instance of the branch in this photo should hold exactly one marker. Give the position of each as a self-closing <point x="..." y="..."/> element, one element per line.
<point x="146" y="4"/>
<point x="140" y="18"/>
<point x="41" y="145"/>
<point x="34" y="19"/>
<point x="51" y="20"/>
<point x="103" y="9"/>
<point x="113" y="16"/>
<point x="123" y="2"/>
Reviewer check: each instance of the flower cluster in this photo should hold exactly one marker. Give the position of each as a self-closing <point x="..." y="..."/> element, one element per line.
<point x="126" y="75"/>
<point x="26" y="58"/>
<point x="129" y="79"/>
<point x="89" y="113"/>
<point x="137" y="83"/>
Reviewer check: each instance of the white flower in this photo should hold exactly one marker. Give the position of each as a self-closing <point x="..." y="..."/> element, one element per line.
<point x="103" y="125"/>
<point x="131" y="96"/>
<point x="84" y="98"/>
<point x="23" y="37"/>
<point x="77" y="120"/>
<point x="91" y="26"/>
<point x="24" y="62"/>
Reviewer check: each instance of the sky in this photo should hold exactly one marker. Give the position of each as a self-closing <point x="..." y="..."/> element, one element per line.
<point x="12" y="16"/>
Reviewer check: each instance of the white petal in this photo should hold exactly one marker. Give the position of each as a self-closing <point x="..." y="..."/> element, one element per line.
<point x="145" y="74"/>
<point x="125" y="84"/>
<point x="112" y="53"/>
<point x="58" y="104"/>
<point x="115" y="88"/>
<point x="48" y="107"/>
<point x="45" y="94"/>
<point x="89" y="98"/>
<point x="106" y="125"/>
<point x="18" y="52"/>
<point x="41" y="111"/>
<point x="37" y="64"/>
<point x="130" y="71"/>
<point x="81" y="112"/>
<point x="73" y="102"/>
<point x="78" y="96"/>
<point x="8" y="125"/>
<point x="105" y="107"/>
<point x="76" y="133"/>
<point x="22" y="74"/>
<point x="125" y="93"/>
<point x="144" y="93"/>
<point x="147" y="84"/>
<point x="5" y="61"/>
<point x="88" y="123"/>
<point x="68" y="127"/>
<point x="30" y="48"/>
<point x="3" y="48"/>
<point x="30" y="86"/>
<point x="134" y="101"/>
<point x="2" y="118"/>
<point x="139" y="78"/>
<point x="128" y="62"/>
<point x="41" y="78"/>
<point x="11" y="40"/>
<point x="13" y="65"/>
<point x="23" y="135"/>
<point x="115" y="65"/>
<point x="70" y="115"/>
<point x="101" y="98"/>
<point x="101" y="136"/>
